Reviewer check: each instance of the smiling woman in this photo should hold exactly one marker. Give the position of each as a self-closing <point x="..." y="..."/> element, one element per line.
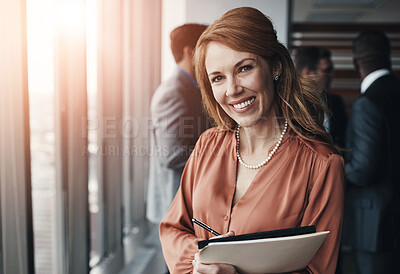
<point x="269" y="164"/>
<point x="242" y="84"/>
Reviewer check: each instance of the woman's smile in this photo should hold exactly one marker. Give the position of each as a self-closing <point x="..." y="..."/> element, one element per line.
<point x="243" y="105"/>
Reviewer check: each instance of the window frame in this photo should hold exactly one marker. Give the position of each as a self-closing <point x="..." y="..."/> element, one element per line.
<point x="15" y="180"/>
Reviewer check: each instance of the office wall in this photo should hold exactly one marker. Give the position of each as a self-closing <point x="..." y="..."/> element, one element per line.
<point x="357" y="11"/>
<point x="178" y="12"/>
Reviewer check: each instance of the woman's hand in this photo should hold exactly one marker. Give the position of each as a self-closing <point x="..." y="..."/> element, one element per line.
<point x="230" y="233"/>
<point x="199" y="267"/>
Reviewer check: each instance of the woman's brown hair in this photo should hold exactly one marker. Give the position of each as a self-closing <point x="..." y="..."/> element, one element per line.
<point x="297" y="99"/>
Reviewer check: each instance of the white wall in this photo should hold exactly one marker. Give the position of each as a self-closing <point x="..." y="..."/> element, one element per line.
<point x="173" y="15"/>
<point x="178" y="12"/>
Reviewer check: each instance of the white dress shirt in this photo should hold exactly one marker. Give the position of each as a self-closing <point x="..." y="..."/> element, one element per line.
<point x="372" y="77"/>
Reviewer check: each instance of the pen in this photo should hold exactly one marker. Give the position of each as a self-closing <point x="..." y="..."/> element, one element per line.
<point x="206" y="227"/>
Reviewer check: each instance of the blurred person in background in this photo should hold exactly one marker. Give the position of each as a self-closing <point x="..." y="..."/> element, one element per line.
<point x="177" y="121"/>
<point x="372" y="218"/>
<point x="316" y="63"/>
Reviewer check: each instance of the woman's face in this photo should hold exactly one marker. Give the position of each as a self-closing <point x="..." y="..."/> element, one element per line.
<point x="242" y="84"/>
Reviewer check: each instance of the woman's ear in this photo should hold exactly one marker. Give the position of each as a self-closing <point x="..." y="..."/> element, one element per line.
<point x="277" y="68"/>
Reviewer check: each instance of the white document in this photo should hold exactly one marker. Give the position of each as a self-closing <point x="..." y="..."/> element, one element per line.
<point x="271" y="255"/>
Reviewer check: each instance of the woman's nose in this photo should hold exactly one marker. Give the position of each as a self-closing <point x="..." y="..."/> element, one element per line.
<point x="233" y="88"/>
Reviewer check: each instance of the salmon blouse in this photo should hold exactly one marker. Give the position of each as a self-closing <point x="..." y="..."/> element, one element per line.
<point x="302" y="184"/>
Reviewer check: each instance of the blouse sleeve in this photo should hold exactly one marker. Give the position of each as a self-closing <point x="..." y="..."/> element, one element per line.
<point x="179" y="244"/>
<point x="325" y="211"/>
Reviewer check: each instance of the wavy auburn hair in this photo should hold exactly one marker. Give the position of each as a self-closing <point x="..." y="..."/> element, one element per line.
<point x="297" y="99"/>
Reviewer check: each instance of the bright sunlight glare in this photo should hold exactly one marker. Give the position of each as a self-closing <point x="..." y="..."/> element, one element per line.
<point x="70" y="14"/>
<point x="40" y="46"/>
<point x="44" y="19"/>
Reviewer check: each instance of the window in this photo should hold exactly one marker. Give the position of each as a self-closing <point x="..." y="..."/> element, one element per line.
<point x="107" y="79"/>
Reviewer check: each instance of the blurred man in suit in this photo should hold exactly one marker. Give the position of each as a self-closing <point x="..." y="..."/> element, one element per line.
<point x="316" y="63"/>
<point x="177" y="122"/>
<point x="371" y="225"/>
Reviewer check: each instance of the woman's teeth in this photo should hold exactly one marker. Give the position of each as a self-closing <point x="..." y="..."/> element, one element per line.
<point x="244" y="104"/>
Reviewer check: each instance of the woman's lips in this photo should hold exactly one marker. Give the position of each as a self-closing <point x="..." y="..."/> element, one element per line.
<point x="243" y="105"/>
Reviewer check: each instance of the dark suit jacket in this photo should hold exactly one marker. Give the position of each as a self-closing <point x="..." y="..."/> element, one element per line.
<point x="338" y="119"/>
<point x="372" y="167"/>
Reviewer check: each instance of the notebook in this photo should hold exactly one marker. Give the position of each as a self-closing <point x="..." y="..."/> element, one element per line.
<point x="277" y="251"/>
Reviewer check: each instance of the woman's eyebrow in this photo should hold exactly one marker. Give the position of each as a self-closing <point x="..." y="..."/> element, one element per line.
<point x="213" y="73"/>
<point x="238" y="64"/>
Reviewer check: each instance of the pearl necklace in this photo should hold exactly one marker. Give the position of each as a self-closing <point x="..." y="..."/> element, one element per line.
<point x="269" y="155"/>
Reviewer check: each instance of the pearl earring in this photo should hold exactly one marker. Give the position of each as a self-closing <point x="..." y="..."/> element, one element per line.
<point x="276" y="78"/>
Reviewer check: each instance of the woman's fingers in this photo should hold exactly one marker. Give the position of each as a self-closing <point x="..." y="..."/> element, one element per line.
<point x="201" y="268"/>
<point x="230" y="233"/>
<point x="197" y="256"/>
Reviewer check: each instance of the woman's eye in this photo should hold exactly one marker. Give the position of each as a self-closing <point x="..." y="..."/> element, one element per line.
<point x="245" y="68"/>
<point x="216" y="79"/>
